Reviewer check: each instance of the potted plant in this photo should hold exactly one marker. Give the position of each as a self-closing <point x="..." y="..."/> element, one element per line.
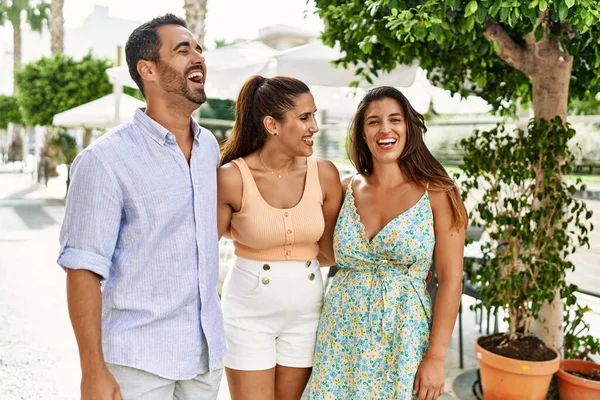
<point x="533" y="224"/>
<point x="578" y="376"/>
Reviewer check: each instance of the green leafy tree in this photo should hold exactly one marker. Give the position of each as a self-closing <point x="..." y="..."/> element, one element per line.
<point x="58" y="83"/>
<point x="514" y="172"/>
<point x="36" y="13"/>
<point x="217" y="109"/>
<point x="542" y="53"/>
<point x="505" y="51"/>
<point x="9" y="111"/>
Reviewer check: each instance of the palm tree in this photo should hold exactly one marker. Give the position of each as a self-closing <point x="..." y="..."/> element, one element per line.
<point x="56" y="27"/>
<point x="36" y="14"/>
<point x="195" y="15"/>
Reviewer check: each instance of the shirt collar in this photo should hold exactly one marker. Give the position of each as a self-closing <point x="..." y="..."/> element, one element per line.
<point x="158" y="132"/>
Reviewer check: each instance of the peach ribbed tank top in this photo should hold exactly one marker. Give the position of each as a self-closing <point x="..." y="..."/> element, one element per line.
<point x="265" y="233"/>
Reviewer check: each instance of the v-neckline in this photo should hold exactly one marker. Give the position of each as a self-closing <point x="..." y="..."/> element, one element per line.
<point x="363" y="229"/>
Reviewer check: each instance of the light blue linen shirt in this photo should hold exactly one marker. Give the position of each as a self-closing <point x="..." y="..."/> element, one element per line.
<point x="145" y="221"/>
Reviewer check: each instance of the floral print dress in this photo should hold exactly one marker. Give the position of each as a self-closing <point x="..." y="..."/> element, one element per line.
<point x="375" y="323"/>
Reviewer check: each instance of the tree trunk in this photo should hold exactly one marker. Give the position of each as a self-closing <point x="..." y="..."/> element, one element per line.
<point x="550" y="84"/>
<point x="195" y="15"/>
<point x="57" y="27"/>
<point x="16" y="50"/>
<point x="549" y="69"/>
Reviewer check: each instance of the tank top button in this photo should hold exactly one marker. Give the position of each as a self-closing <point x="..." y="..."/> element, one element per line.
<point x="285" y="214"/>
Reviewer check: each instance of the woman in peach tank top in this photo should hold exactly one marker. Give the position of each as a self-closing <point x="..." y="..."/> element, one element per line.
<point x="279" y="204"/>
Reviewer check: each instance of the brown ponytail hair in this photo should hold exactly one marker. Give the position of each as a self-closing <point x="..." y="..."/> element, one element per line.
<point x="416" y="161"/>
<point x="259" y="97"/>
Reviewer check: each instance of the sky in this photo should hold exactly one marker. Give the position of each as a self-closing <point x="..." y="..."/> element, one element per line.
<point x="226" y="19"/>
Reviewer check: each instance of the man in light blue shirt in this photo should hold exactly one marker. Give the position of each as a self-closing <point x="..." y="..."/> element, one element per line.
<point x="141" y="219"/>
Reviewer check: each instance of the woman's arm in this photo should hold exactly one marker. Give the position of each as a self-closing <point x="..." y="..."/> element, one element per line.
<point x="229" y="195"/>
<point x="448" y="257"/>
<point x="331" y="186"/>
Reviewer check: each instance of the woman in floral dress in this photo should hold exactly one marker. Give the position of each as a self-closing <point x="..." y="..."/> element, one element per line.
<point x="377" y="338"/>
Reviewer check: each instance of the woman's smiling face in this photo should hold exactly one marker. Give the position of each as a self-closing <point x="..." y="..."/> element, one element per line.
<point x="385" y="130"/>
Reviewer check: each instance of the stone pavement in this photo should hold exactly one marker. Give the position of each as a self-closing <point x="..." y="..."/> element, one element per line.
<point x="38" y="353"/>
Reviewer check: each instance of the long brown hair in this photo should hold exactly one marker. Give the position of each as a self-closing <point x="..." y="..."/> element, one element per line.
<point x="416" y="161"/>
<point x="259" y="97"/>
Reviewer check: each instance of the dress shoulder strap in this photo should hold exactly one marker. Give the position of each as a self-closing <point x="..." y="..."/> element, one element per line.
<point x="349" y="187"/>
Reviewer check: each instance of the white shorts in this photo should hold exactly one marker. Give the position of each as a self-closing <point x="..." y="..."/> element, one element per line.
<point x="271" y="311"/>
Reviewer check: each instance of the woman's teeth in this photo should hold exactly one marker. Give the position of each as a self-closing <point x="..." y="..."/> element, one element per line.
<point x="386" y="143"/>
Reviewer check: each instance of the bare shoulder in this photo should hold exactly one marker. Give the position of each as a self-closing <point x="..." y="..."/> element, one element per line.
<point x="229" y="176"/>
<point x="439" y="199"/>
<point x="329" y="175"/>
<point x="327" y="169"/>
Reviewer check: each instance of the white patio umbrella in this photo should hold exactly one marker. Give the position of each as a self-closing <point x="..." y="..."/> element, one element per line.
<point x="422" y="94"/>
<point x="312" y="64"/>
<point x="99" y="113"/>
<point x="230" y="66"/>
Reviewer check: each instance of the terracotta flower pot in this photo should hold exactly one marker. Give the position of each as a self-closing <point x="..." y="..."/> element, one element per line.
<point x="571" y="387"/>
<point x="504" y="378"/>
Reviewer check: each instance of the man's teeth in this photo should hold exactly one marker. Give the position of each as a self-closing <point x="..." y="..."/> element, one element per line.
<point x="307" y="140"/>
<point x="386" y="141"/>
<point x="195" y="75"/>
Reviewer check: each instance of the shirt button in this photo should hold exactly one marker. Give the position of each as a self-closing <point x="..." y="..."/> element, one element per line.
<point x="265" y="281"/>
<point x="266" y="267"/>
<point x="289" y="231"/>
<point x="311" y="277"/>
<point x="285" y="214"/>
<point x="287" y="253"/>
<point x="308" y="263"/>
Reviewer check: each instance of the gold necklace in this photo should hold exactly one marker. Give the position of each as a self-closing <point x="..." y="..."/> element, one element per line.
<point x="274" y="172"/>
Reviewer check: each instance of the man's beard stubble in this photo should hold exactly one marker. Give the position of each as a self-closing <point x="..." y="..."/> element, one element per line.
<point x="174" y="82"/>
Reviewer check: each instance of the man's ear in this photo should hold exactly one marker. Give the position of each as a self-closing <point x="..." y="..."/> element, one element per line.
<point x="147" y="70"/>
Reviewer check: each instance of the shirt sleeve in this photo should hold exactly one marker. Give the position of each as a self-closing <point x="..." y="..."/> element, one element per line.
<point x="92" y="217"/>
